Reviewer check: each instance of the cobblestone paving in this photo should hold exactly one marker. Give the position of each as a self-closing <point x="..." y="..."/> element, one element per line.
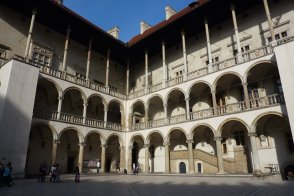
<point x="141" y="185"/>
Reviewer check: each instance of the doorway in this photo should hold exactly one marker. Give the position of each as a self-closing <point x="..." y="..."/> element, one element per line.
<point x="182" y="168"/>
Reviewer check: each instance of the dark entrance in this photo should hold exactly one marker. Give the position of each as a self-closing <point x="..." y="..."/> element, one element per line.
<point x="135" y="153"/>
<point x="182" y="168"/>
<point x="70" y="164"/>
<point x="199" y="167"/>
<point x="108" y="164"/>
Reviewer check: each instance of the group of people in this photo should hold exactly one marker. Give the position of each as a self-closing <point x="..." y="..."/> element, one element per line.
<point x="5" y="174"/>
<point x="54" y="173"/>
<point x="136" y="169"/>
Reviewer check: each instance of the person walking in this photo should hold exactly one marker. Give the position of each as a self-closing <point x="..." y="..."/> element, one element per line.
<point x="57" y="173"/>
<point x="7" y="175"/>
<point x="98" y="166"/>
<point x="77" y="177"/>
<point x="53" y="173"/>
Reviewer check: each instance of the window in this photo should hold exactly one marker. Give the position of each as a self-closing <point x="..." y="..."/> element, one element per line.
<point x="278" y="36"/>
<point x="214" y="60"/>
<point x="41" y="55"/>
<point x="290" y="142"/>
<point x="243" y="49"/>
<point x="240" y="138"/>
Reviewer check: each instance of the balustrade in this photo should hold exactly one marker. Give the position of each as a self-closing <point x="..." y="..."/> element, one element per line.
<point x="231" y="108"/>
<point x="155" y="87"/>
<point x="201" y="114"/>
<point x="177" y="119"/>
<point x="94" y="123"/>
<point x="156" y="123"/>
<point x="114" y="126"/>
<point x="175" y="81"/>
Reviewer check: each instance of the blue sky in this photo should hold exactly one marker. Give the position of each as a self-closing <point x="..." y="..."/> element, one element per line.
<point x="126" y="14"/>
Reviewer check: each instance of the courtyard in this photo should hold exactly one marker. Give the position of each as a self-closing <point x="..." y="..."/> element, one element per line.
<point x="141" y="185"/>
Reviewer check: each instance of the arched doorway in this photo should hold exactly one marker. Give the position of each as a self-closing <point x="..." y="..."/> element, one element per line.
<point x="112" y="159"/>
<point x="92" y="153"/>
<point x="138" y="152"/>
<point x="182" y="168"/>
<point x="157" y="153"/>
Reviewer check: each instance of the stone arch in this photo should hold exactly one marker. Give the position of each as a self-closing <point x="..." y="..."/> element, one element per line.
<point x="135" y="135"/>
<point x="191" y="133"/>
<point x="135" y="102"/>
<point x="224" y="74"/>
<point x="97" y="95"/>
<point x="102" y="138"/>
<point x="149" y="135"/>
<point x="116" y="101"/>
<point x="173" y="129"/>
<point x="254" y="122"/>
<point x="219" y="129"/>
<point x="116" y="115"/>
<point x="171" y="90"/>
<point x="151" y="97"/>
<point x="57" y="86"/>
<point x="79" y="133"/>
<point x="112" y="135"/>
<point x="253" y="65"/>
<point x="52" y="129"/>
<point x="84" y="97"/>
<point x="198" y="82"/>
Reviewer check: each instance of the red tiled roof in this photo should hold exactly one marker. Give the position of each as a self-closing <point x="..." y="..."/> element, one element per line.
<point x="164" y="23"/>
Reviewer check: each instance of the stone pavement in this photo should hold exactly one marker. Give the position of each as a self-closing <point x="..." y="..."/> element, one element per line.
<point x="141" y="185"/>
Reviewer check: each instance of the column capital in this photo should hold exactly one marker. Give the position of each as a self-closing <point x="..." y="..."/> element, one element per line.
<point x="165" y="105"/>
<point x="146" y="51"/>
<point x="205" y="20"/>
<point x="190" y="141"/>
<point x="130" y="147"/>
<point x="121" y="147"/>
<point x="252" y="134"/>
<point x="183" y="32"/>
<point x="166" y="143"/>
<point x="56" y="141"/>
<point x="34" y="12"/>
<point x="82" y="144"/>
<point x="146" y="145"/>
<point x="163" y="43"/>
<point x="232" y="6"/>
<point x="244" y="83"/>
<point x="187" y="99"/>
<point x="103" y="146"/>
<point x="213" y="92"/>
<point x="60" y="97"/>
<point x="85" y="104"/>
<point x="218" y="138"/>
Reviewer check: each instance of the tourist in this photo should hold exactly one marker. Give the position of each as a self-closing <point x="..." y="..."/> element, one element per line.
<point x="7" y="175"/>
<point x="57" y="173"/>
<point x="77" y="177"/>
<point x="53" y="173"/>
<point x="98" y="166"/>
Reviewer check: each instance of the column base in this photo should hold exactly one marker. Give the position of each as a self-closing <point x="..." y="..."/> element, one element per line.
<point x="257" y="173"/>
<point x="220" y="173"/>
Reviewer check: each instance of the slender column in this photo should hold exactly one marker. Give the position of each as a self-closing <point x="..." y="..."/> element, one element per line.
<point x="208" y="45"/>
<point x="68" y="30"/>
<point x="236" y="33"/>
<point x="103" y="152"/>
<point x="105" y="116"/>
<point x="164" y="66"/>
<point x="146" y="71"/>
<point x="255" y="158"/>
<point x="60" y="99"/>
<point x="34" y="13"/>
<point x="147" y="158"/>
<point x="187" y="108"/>
<point x="214" y="102"/>
<point x="219" y="152"/>
<point x="269" y="20"/>
<point x="130" y="165"/>
<point x="128" y="78"/>
<point x="81" y="156"/>
<point x="191" y="157"/>
<point x="54" y="151"/>
<point x="167" y="165"/>
<point x="246" y="95"/>
<point x="184" y="55"/>
<point x="89" y="59"/>
<point x="107" y="68"/>
<point x="146" y="117"/>
<point x="85" y="113"/>
<point x="122" y="157"/>
<point x="165" y="113"/>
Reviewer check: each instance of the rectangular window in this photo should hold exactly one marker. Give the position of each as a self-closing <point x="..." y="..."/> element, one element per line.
<point x="284" y="34"/>
<point x="41" y="55"/>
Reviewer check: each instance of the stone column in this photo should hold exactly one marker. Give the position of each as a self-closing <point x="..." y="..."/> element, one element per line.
<point x="146" y="71"/>
<point x="214" y="102"/>
<point x="103" y="152"/>
<point x="255" y="157"/>
<point x="81" y="156"/>
<point x="208" y="46"/>
<point x="85" y="113"/>
<point x="105" y="116"/>
<point x="130" y="166"/>
<point x="219" y="152"/>
<point x="122" y="158"/>
<point x="68" y="30"/>
<point x="165" y="113"/>
<point x="34" y="13"/>
<point x="164" y="66"/>
<point x="246" y="95"/>
<point x="185" y="56"/>
<point x="107" y="69"/>
<point x="270" y="23"/>
<point x="167" y="164"/>
<point x="236" y="33"/>
<point x="54" y="151"/>
<point x="89" y="59"/>
<point x="191" y="157"/>
<point x="128" y="78"/>
<point x="60" y="99"/>
<point x="147" y="158"/>
<point x="187" y="108"/>
<point x="146" y="117"/>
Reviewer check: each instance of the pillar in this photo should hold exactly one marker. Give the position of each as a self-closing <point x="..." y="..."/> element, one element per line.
<point x="185" y="56"/>
<point x="146" y="117"/>
<point x="105" y="116"/>
<point x="147" y="153"/>
<point x="236" y="33"/>
<point x="81" y="156"/>
<point x="208" y="45"/>
<point x="122" y="158"/>
<point x="85" y="113"/>
<point x="255" y="157"/>
<point x="103" y="152"/>
<point x="165" y="113"/>
<point x="187" y="108"/>
<point x="269" y="20"/>
<point x="219" y="152"/>
<point x="89" y="59"/>
<point x="130" y="165"/>
<point x="65" y="48"/>
<point x="34" y="13"/>
<point x="146" y="71"/>
<point x="167" y="164"/>
<point x="128" y="78"/>
<point x="213" y="93"/>
<point x="246" y="95"/>
<point x="191" y="157"/>
<point x="60" y="99"/>
<point x="107" y="68"/>
<point x="164" y="66"/>
<point x="54" y="151"/>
